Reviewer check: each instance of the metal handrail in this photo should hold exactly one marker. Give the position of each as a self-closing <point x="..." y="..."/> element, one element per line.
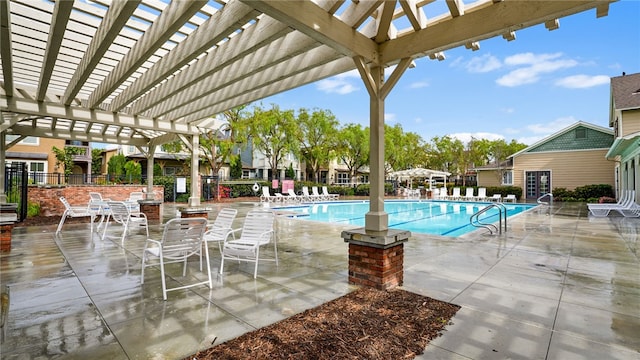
<point x="550" y="195"/>
<point x="490" y="227"/>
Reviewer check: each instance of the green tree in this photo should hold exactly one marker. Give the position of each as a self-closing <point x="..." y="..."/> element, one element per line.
<point x="96" y="161"/>
<point x="64" y="157"/>
<point x="290" y="173"/>
<point x="446" y="153"/>
<point x="317" y="132"/>
<point x="270" y="132"/>
<point x="353" y="148"/>
<point x="236" y="168"/>
<point x="133" y="171"/>
<point x="403" y="150"/>
<point x="115" y="166"/>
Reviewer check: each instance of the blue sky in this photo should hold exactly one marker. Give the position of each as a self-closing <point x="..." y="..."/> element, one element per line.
<point x="524" y="89"/>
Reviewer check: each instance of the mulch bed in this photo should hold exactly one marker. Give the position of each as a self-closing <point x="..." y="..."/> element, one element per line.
<point x="364" y="324"/>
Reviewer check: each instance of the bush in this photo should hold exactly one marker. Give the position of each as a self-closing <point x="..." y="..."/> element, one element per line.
<point x="589" y="193"/>
<point x="33" y="209"/>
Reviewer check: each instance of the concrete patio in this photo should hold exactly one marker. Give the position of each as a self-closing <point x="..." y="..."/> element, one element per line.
<point x="558" y="285"/>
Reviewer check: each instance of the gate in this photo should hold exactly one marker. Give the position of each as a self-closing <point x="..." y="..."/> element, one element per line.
<point x="209" y="187"/>
<point x="15" y="187"/>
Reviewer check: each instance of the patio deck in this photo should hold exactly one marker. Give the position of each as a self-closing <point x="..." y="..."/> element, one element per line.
<point x="558" y="285"/>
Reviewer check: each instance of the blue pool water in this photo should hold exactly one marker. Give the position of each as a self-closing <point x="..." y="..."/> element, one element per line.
<point x="447" y="218"/>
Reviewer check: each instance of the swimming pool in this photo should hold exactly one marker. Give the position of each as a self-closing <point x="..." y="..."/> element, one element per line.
<point x="446" y="218"/>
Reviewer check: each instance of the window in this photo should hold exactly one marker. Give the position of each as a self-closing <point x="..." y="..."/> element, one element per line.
<point x="581" y="133"/>
<point x="507" y="177"/>
<point x="169" y="170"/>
<point x="343" y="178"/>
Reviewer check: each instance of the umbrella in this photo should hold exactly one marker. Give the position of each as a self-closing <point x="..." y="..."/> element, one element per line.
<point x="420" y="173"/>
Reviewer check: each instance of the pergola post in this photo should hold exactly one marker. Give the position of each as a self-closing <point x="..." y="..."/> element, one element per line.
<point x="3" y="138"/>
<point x="376" y="254"/>
<point x="150" y="163"/>
<point x="194" y="199"/>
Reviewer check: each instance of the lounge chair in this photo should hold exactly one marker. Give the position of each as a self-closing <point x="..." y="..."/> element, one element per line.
<point x="316" y="193"/>
<point x="631" y="211"/>
<point x="622" y="201"/>
<point x="604" y="209"/>
<point x="266" y="196"/>
<point x="468" y="196"/>
<point x="455" y="195"/>
<point x="510" y="198"/>
<point x="292" y="196"/>
<point x="496" y="197"/>
<point x="328" y="195"/>
<point x="482" y="194"/>
<point x="306" y="196"/>
<point x="257" y="231"/>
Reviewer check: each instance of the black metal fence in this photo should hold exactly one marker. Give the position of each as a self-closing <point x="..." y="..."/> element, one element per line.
<point x="15" y="187"/>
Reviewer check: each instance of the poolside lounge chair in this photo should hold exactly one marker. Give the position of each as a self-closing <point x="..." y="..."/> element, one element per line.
<point x="316" y="193"/>
<point x="306" y="196"/>
<point x="293" y="197"/>
<point x="496" y="197"/>
<point x="181" y="239"/>
<point x="266" y="195"/>
<point x="328" y="195"/>
<point x="455" y="194"/>
<point x="622" y="201"/>
<point x="257" y="231"/>
<point x="510" y="198"/>
<point x="468" y="196"/>
<point x="602" y="210"/>
<point x="631" y="211"/>
<point x="482" y="194"/>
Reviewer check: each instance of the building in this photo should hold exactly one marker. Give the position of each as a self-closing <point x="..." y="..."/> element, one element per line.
<point x="557" y="161"/>
<point x="624" y="118"/>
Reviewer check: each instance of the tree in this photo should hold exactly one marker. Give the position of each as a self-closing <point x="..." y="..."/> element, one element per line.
<point x="353" y="148"/>
<point x="115" y="166"/>
<point x="446" y="154"/>
<point x="64" y="157"/>
<point x="96" y="161"/>
<point x="290" y="173"/>
<point x="402" y="150"/>
<point x="501" y="151"/>
<point x="317" y="133"/>
<point x="133" y="171"/>
<point x="236" y="168"/>
<point x="270" y="132"/>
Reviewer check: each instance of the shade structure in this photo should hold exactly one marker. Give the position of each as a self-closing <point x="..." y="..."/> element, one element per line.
<point x="420" y="173"/>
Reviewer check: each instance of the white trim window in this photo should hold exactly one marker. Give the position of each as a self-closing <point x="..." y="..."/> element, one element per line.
<point x="507" y="177"/>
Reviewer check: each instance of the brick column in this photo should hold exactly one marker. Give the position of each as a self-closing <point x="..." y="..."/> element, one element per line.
<point x="376" y="259"/>
<point x="8" y="217"/>
<point x="5" y="237"/>
<point x="375" y="267"/>
<point x="151" y="208"/>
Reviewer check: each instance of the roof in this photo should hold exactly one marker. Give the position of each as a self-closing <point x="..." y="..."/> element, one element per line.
<point x="625" y="92"/>
<point x="595" y="137"/>
<point x="142" y="72"/>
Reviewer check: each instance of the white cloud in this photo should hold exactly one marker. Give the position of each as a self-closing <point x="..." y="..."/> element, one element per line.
<point x="508" y="110"/>
<point x="552" y="126"/>
<point x="483" y="64"/>
<point x="390" y="117"/>
<point x="340" y="84"/>
<point x="466" y="137"/>
<point x="534" y="66"/>
<point x="419" y="84"/>
<point x="582" y="81"/>
<point x="528" y="140"/>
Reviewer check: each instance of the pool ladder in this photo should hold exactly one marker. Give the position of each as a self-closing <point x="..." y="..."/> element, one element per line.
<point x="475" y="218"/>
<point x="550" y="195"/>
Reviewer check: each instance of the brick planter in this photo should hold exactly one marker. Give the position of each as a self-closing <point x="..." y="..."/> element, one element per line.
<point x="195" y="212"/>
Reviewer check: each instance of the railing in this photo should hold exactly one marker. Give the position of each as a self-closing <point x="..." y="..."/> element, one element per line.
<point x="490" y="226"/>
<point x="550" y="195"/>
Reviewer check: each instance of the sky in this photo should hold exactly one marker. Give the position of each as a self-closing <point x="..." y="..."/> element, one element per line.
<point x="524" y="89"/>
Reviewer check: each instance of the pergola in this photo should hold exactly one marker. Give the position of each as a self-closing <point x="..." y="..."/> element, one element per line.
<point x="146" y="72"/>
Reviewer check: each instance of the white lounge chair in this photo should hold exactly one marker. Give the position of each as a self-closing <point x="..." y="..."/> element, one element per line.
<point x="626" y="194"/>
<point x="510" y="198"/>
<point x="482" y="194"/>
<point x="291" y="196"/>
<point x="257" y="231"/>
<point x="316" y="193"/>
<point x="603" y="210"/>
<point x="631" y="211"/>
<point x="181" y="239"/>
<point x="496" y="197"/>
<point x="266" y="195"/>
<point x="455" y="195"/>
<point x="328" y="195"/>
<point x="306" y="196"/>
<point x="468" y="196"/>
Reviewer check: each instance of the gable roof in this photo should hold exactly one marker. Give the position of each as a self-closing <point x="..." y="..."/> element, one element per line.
<point x="625" y="92"/>
<point x="597" y="137"/>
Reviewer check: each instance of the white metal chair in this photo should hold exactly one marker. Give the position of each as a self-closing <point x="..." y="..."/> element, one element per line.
<point x="257" y="231"/>
<point x="133" y="200"/>
<point x="220" y="229"/>
<point x="181" y="239"/>
<point x="121" y="213"/>
<point x="73" y="212"/>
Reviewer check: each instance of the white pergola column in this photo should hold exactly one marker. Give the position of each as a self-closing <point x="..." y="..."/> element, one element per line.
<point x="150" y="163"/>
<point x="3" y="138"/>
<point x="194" y="199"/>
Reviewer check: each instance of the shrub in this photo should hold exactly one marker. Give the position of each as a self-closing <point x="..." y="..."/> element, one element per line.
<point x="589" y="193"/>
<point x="33" y="209"/>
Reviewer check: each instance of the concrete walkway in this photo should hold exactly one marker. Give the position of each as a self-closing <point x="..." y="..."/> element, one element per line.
<point x="558" y="285"/>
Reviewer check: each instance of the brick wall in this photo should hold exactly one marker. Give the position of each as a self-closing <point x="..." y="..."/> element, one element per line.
<point x="50" y="205"/>
<point x="375" y="267"/>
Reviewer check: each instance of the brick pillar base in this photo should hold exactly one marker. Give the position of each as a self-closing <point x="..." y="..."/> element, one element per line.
<point x="5" y="237"/>
<point x="195" y="213"/>
<point x="376" y="267"/>
<point x="151" y="209"/>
